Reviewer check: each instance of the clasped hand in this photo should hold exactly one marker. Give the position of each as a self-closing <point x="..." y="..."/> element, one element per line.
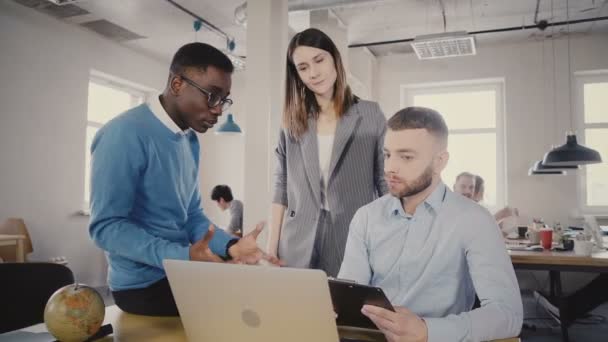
<point x="245" y="251"/>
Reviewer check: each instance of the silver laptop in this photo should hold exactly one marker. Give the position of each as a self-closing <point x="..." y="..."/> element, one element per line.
<point x="228" y="303"/>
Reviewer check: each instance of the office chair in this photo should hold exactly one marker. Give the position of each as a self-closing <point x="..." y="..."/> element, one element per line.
<point x="24" y="290"/>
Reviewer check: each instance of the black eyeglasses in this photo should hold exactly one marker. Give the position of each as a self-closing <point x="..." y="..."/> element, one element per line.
<point x="213" y="100"/>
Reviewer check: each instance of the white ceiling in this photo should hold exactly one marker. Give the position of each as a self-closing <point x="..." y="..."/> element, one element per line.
<point x="165" y="27"/>
<point x="393" y="20"/>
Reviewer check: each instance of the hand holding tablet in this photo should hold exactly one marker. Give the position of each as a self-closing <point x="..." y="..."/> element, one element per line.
<point x="348" y="299"/>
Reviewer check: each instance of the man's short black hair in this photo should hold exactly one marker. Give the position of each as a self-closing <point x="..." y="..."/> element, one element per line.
<point x="200" y="56"/>
<point x="221" y="191"/>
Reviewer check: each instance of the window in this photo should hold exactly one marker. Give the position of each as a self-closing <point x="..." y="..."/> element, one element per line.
<point x="473" y="111"/>
<point x="593" y="132"/>
<point x="107" y="99"/>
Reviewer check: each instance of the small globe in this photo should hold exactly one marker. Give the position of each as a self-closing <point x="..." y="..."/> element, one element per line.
<point x="74" y="313"/>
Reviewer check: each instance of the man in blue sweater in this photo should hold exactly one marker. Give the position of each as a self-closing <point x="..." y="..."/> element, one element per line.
<point x="145" y="200"/>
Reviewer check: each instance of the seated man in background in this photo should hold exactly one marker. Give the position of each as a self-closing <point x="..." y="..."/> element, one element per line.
<point x="430" y="250"/>
<point x="222" y="194"/>
<point x="465" y="184"/>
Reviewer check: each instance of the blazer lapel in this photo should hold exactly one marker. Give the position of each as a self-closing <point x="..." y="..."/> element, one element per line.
<point x="345" y="129"/>
<point x="310" y="153"/>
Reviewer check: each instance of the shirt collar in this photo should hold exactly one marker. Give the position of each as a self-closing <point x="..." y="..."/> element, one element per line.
<point x="159" y="111"/>
<point x="433" y="201"/>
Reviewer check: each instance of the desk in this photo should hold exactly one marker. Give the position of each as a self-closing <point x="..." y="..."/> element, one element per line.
<point x="556" y="262"/>
<point x="135" y="328"/>
<point x="17" y="240"/>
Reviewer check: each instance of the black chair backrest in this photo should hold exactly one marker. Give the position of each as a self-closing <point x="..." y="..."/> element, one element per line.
<point x="24" y="290"/>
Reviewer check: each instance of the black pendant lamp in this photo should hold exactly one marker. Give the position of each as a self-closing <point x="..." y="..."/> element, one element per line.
<point x="571" y="154"/>
<point x="539" y="168"/>
<point x="532" y="172"/>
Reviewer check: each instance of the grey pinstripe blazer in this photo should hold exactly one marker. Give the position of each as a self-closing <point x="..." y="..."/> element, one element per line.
<point x="356" y="177"/>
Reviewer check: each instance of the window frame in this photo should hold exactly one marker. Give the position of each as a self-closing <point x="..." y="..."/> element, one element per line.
<point x="580" y="79"/>
<point x="408" y="91"/>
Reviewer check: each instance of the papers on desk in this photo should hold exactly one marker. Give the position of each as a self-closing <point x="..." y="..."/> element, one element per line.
<point x="524" y="245"/>
<point x="537" y="248"/>
<point x="26" y="336"/>
<point x="517" y="244"/>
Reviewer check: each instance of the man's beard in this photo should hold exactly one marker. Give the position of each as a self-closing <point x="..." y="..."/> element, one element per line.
<point x="417" y="186"/>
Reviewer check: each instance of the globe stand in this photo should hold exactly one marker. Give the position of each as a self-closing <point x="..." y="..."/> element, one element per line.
<point x="103" y="331"/>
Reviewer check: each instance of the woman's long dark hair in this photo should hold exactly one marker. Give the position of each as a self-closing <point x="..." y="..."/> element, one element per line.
<point x="300" y="102"/>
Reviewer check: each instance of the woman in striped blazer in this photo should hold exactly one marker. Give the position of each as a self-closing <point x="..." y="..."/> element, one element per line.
<point x="330" y="160"/>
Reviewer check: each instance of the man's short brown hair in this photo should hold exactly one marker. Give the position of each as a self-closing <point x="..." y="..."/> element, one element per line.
<point x="466" y="174"/>
<point x="420" y="117"/>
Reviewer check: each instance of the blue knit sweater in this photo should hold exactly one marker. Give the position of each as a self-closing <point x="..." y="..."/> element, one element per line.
<point x="145" y="201"/>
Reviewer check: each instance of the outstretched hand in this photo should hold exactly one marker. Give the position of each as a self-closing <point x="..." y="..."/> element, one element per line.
<point x="246" y="250"/>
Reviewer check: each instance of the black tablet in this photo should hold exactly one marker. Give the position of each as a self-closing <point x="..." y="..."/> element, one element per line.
<point x="349" y="297"/>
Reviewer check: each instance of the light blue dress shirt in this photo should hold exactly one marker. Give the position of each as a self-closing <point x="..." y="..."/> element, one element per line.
<point x="434" y="262"/>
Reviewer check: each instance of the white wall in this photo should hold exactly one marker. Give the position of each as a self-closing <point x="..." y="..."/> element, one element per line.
<point x="222" y="158"/>
<point x="529" y="108"/>
<point x="44" y="67"/>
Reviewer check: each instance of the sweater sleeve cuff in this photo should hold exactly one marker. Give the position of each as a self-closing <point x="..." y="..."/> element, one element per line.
<point x="219" y="242"/>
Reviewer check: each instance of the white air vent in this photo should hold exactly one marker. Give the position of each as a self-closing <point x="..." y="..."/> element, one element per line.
<point x="444" y="45"/>
<point x="50" y="8"/>
<point x="110" y="30"/>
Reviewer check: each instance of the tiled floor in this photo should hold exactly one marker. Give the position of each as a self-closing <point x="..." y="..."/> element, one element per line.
<point x="540" y="327"/>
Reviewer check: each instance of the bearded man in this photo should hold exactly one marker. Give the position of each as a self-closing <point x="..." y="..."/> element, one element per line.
<point x="429" y="249"/>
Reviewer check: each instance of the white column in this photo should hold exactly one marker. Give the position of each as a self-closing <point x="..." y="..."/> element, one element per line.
<point x="267" y="31"/>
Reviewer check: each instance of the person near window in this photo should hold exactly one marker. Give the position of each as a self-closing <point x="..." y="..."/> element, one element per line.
<point x="222" y="195"/>
<point x="465" y="184"/>
<point x="145" y="200"/>
<point x="429" y="249"/>
<point x="329" y="157"/>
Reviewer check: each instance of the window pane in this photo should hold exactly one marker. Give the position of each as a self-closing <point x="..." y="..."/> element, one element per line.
<point x="475" y="153"/>
<point x="596" y="102"/>
<point x="597" y="174"/>
<point x="463" y="110"/>
<point x="91" y="131"/>
<point x="106" y="102"/>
